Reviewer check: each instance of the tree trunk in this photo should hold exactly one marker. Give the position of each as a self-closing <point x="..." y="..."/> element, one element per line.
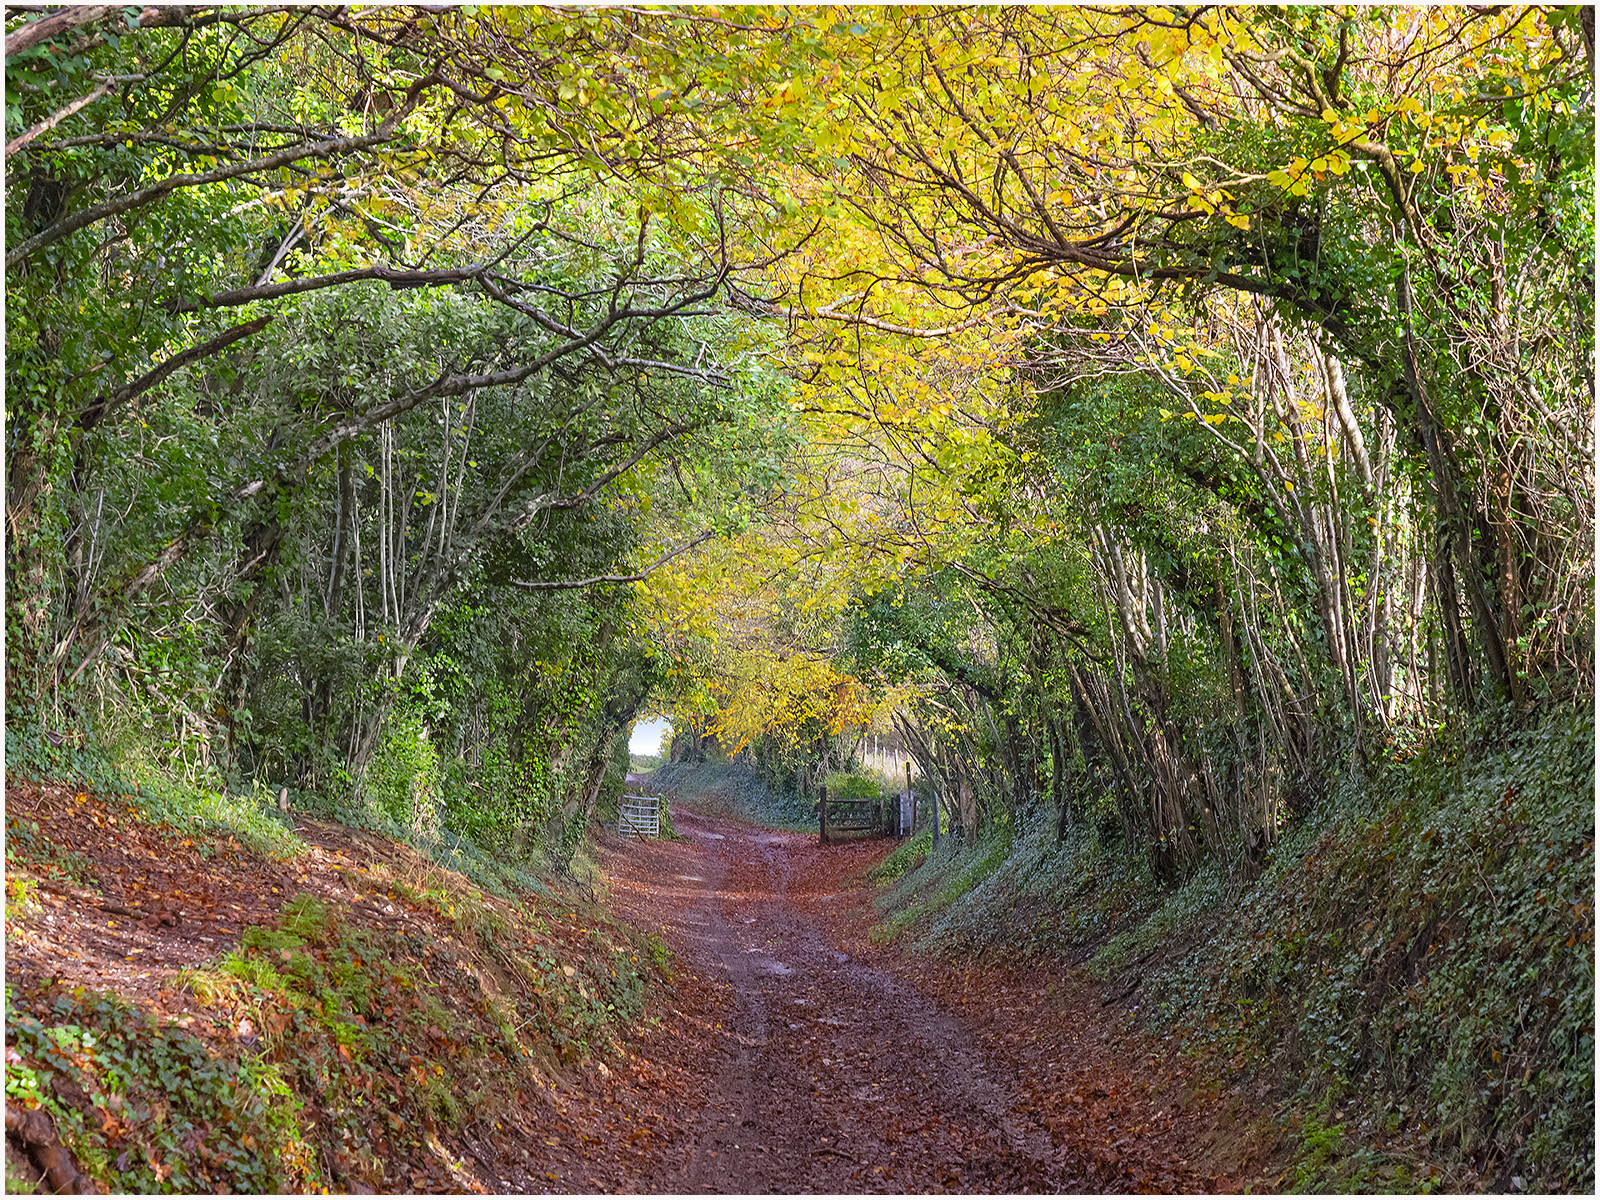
<point x="1058" y="777"/>
<point x="27" y="564"/>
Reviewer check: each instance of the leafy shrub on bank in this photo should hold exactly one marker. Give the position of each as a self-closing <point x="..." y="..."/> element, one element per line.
<point x="193" y="801"/>
<point x="848" y="785"/>
<point x="403" y="781"/>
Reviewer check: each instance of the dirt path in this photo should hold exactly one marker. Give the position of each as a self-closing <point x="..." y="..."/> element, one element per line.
<point x="788" y="1053"/>
<point x="833" y="1075"/>
<point x="809" y="1061"/>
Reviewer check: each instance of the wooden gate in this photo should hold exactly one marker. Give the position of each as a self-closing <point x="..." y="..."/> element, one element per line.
<point x="847" y="820"/>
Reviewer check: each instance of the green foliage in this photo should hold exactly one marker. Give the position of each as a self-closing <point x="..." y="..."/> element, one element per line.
<point x="660" y="955"/>
<point x="1321" y="1147"/>
<point x="298" y="557"/>
<point x="27" y="844"/>
<point x="22" y="895"/>
<point x="930" y="897"/>
<point x="1427" y="950"/>
<point x="253" y="817"/>
<point x="732" y="789"/>
<point x="846" y="785"/>
<point x="198" y="803"/>
<point x="614" y="782"/>
<point x="88" y="761"/>
<point x="148" y="1107"/>
<point x="403" y="781"/>
<point x="906" y="856"/>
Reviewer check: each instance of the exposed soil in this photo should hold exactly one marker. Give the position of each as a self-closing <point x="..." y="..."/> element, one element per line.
<point x="788" y="1054"/>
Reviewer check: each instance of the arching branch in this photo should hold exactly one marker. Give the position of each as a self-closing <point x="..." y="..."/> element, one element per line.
<point x="571" y="584"/>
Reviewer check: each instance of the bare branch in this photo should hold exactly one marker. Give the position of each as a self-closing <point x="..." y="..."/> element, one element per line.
<point x="66" y="19"/>
<point x="50" y="122"/>
<point x="328" y="148"/>
<point x="569" y="584"/>
<point x="398" y="280"/>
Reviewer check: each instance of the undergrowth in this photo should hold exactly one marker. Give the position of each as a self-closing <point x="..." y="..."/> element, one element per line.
<point x="200" y="801"/>
<point x="1422" y="955"/>
<point x="908" y="856"/>
<point x="194" y="804"/>
<point x="928" y="896"/>
<point x="148" y="1107"/>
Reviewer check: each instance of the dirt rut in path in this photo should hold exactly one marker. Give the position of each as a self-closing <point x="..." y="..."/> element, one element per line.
<point x="814" y="1070"/>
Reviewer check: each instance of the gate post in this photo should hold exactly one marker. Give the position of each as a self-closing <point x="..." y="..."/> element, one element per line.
<point x="822" y="812"/>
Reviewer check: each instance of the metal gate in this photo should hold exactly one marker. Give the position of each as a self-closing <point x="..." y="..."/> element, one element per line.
<point x="639" y="815"/>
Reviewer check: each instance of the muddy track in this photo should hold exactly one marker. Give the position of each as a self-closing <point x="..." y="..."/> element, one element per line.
<point x="786" y="1052"/>
<point x="823" y="1072"/>
<point x="829" y="1064"/>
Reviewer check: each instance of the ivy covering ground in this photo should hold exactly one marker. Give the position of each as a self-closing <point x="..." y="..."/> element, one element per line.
<point x="1413" y="970"/>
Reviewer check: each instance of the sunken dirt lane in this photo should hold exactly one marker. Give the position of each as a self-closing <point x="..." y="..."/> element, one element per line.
<point x="797" y="1057"/>
<point x="833" y="1076"/>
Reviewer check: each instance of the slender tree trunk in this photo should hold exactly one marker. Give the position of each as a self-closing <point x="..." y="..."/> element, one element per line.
<point x="28" y="490"/>
<point x="1058" y="777"/>
<point x="1458" y="516"/>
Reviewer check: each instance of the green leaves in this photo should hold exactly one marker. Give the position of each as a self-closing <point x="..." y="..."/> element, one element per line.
<point x="153" y="1099"/>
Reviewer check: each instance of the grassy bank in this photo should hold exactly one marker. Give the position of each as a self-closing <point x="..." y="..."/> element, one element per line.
<point x="730" y="789"/>
<point x="200" y="801"/>
<point x="391" y="1021"/>
<point x="1411" y="968"/>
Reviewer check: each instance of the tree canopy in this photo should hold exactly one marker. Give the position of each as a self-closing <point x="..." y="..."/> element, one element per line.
<point x="1139" y="409"/>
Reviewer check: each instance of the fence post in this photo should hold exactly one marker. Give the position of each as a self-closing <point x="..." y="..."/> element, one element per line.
<point x="905" y="806"/>
<point x="822" y="812"/>
<point x="935" y="818"/>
